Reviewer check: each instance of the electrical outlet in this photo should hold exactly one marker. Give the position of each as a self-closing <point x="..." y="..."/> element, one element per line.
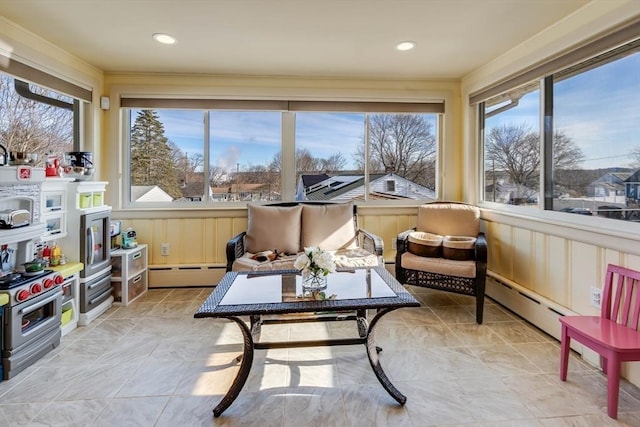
<point x="164" y="249"/>
<point x="394" y="244"/>
<point x="596" y="297"/>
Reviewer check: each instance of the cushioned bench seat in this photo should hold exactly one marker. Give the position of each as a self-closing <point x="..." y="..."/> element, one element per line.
<point x="288" y="228"/>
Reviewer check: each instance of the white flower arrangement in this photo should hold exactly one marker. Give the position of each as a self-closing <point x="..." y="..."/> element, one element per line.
<point x="314" y="261"/>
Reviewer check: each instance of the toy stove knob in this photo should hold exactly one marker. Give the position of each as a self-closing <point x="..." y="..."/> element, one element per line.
<point x="23" y="295"/>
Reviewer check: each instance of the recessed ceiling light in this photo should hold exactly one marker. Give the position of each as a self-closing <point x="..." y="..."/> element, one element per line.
<point x="408" y="45"/>
<point x="164" y="38"/>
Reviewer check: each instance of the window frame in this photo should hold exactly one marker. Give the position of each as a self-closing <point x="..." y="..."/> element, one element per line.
<point x="601" y="52"/>
<point x="288" y="185"/>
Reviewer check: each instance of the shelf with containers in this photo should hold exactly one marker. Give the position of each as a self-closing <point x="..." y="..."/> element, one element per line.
<point x="129" y="274"/>
<point x="89" y="194"/>
<point x="54" y="207"/>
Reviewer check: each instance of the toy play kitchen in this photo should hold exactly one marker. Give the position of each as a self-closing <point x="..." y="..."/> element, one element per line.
<point x="31" y="318"/>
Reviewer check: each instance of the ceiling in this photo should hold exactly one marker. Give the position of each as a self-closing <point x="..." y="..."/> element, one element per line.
<point x="323" y="38"/>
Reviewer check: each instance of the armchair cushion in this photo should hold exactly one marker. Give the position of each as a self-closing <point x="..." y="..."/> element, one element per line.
<point x="273" y="227"/>
<point x="330" y="227"/>
<point x="444" y="266"/>
<point x="452" y="219"/>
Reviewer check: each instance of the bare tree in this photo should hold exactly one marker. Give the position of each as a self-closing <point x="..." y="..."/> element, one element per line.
<point x="32" y="126"/>
<point x="515" y="151"/>
<point x="334" y="163"/>
<point x="402" y="143"/>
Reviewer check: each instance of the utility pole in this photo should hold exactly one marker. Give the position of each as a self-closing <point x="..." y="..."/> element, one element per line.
<point x="237" y="181"/>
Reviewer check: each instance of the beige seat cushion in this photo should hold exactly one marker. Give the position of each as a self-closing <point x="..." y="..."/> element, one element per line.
<point x="439" y="265"/>
<point x="273" y="227"/>
<point x="344" y="258"/>
<point x="330" y="227"/>
<point x="356" y="258"/>
<point x="452" y="219"/>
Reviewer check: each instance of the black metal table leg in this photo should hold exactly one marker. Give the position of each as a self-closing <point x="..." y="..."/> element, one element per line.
<point x="243" y="372"/>
<point x="372" y="353"/>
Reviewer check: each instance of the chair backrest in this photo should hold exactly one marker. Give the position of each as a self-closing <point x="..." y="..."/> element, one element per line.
<point x="449" y="219"/>
<point x="620" y="296"/>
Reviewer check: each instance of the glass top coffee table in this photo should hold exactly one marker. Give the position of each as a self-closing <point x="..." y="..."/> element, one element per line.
<point x="348" y="296"/>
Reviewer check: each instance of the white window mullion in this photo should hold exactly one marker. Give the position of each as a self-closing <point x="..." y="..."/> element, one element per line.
<point x="288" y="161"/>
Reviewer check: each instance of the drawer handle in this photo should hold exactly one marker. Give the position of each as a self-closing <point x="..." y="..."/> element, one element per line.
<point x="137" y="255"/>
<point x="137" y="279"/>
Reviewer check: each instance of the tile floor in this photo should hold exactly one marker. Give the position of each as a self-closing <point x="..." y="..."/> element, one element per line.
<point x="153" y="364"/>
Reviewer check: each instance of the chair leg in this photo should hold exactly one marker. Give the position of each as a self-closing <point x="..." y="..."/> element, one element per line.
<point x="565" y="342"/>
<point x="613" y="385"/>
<point x="603" y="364"/>
<point x="479" y="309"/>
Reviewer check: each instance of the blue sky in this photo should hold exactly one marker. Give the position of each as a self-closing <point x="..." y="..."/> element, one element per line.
<point x="253" y="138"/>
<point x="599" y="110"/>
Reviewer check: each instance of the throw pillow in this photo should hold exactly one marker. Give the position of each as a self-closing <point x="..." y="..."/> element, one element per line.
<point x="330" y="227"/>
<point x="425" y="244"/>
<point x="459" y="248"/>
<point x="273" y="227"/>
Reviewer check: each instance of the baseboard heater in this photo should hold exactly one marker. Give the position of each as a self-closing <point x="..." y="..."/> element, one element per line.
<point x="175" y="276"/>
<point x="536" y="309"/>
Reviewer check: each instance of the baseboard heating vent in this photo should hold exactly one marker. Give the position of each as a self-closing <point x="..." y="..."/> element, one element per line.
<point x="173" y="276"/>
<point x="536" y="309"/>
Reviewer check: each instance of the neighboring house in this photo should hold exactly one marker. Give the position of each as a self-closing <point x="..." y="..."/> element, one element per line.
<point x="632" y="189"/>
<point x="349" y="187"/>
<point x="244" y="192"/>
<point x="307" y="181"/>
<point x="149" y="193"/>
<point x="193" y="191"/>
<point x="610" y="187"/>
<point x="513" y="194"/>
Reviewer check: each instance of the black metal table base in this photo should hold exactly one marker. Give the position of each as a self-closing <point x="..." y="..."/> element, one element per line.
<point x="251" y="335"/>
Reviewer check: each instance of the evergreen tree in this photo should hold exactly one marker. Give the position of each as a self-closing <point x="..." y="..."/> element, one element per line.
<point x="152" y="162"/>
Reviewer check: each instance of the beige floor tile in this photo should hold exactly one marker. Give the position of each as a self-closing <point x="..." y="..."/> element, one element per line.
<point x="131" y="412"/>
<point x="152" y="364"/>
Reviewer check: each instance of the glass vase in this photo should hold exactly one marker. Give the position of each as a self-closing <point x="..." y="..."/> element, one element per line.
<point x="314" y="281"/>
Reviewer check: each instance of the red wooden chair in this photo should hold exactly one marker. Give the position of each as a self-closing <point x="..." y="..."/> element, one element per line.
<point x="613" y="335"/>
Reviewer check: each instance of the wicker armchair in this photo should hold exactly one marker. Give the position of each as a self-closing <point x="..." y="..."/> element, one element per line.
<point x="445" y="267"/>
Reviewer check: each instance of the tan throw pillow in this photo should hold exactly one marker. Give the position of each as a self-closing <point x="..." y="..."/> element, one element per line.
<point x="459" y="248"/>
<point x="329" y="227"/>
<point x="425" y="244"/>
<point x="273" y="227"/>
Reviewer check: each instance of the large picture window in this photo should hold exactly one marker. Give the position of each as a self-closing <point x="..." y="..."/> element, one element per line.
<point x="218" y="156"/>
<point x="569" y="142"/>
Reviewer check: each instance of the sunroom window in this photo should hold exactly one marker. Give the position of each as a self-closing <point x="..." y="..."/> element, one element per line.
<point x="307" y="152"/>
<point x="569" y="141"/>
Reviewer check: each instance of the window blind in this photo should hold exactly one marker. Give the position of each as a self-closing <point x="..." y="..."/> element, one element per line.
<point x="30" y="74"/>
